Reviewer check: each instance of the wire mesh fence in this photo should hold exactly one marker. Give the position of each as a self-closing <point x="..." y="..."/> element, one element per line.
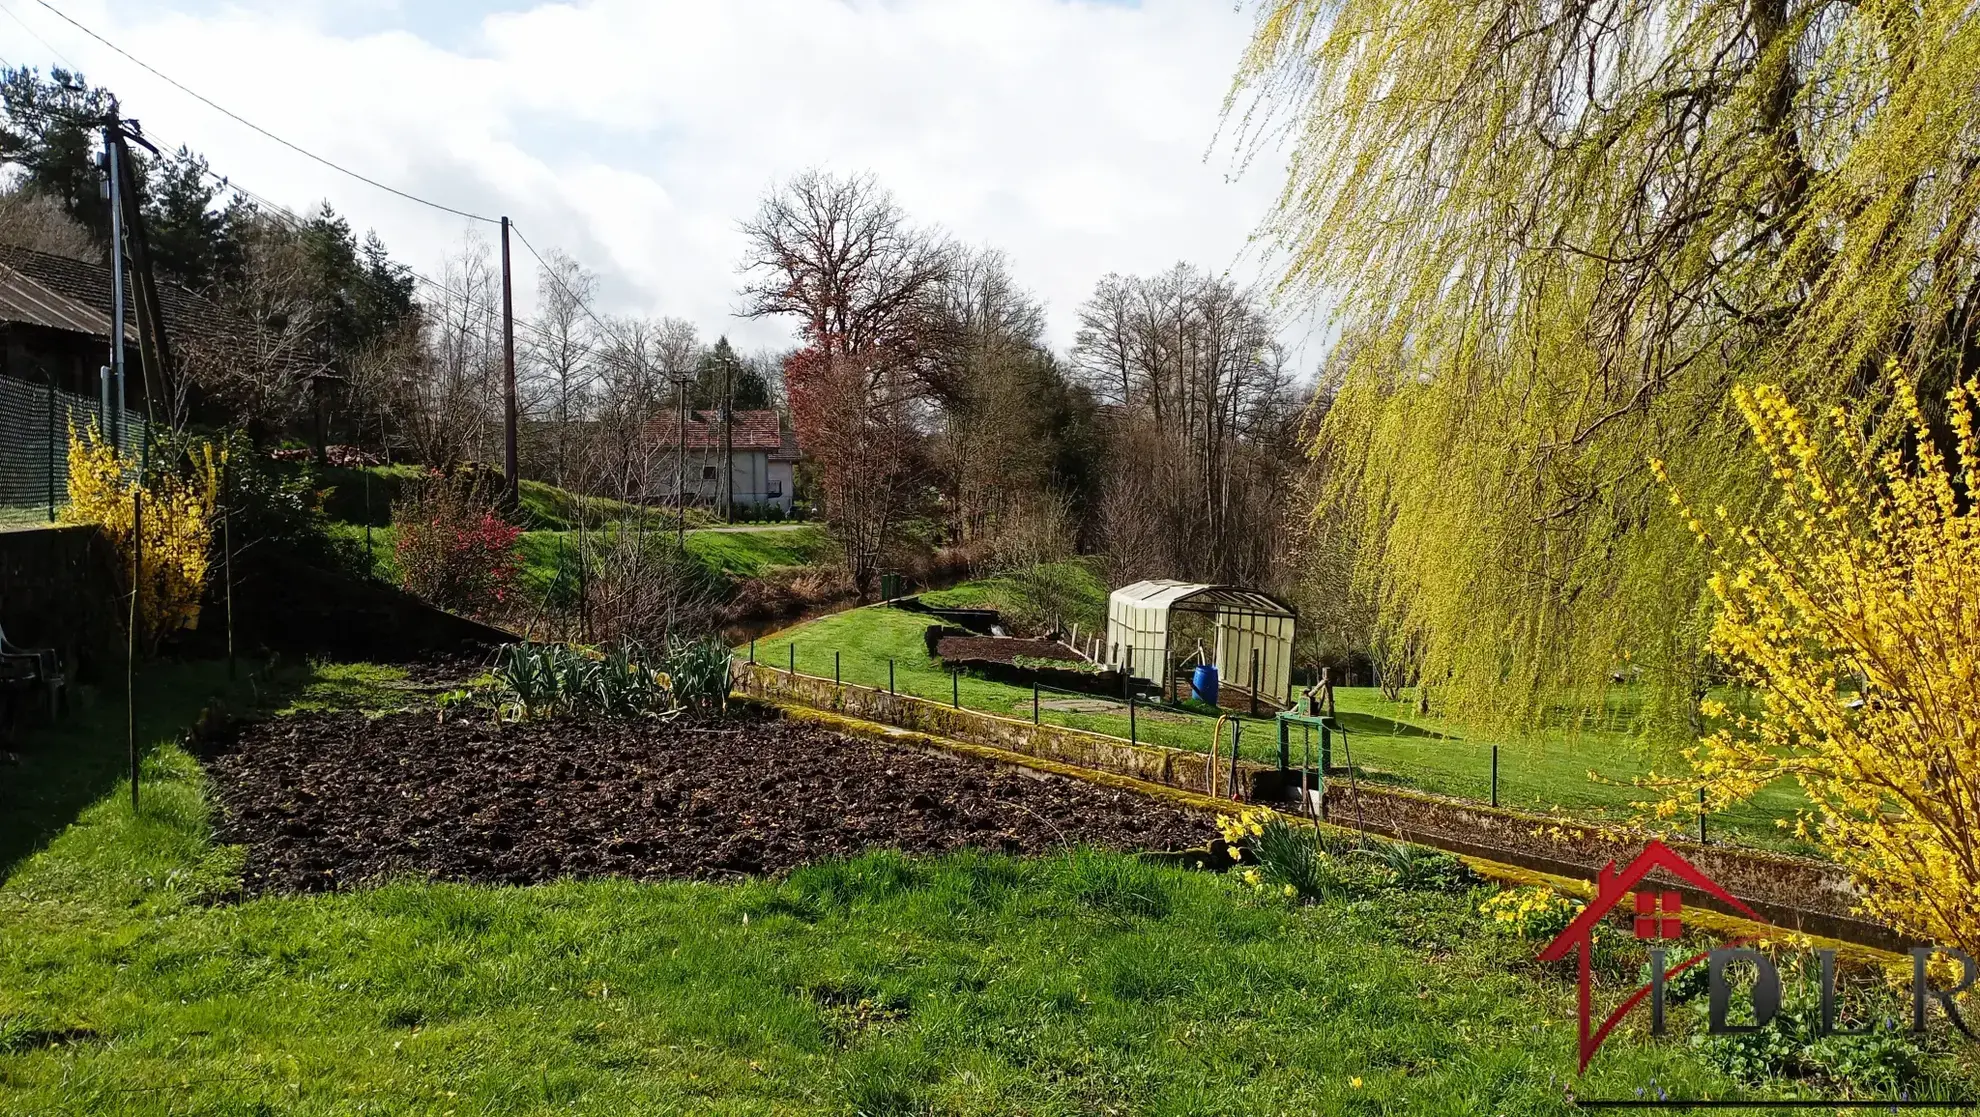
<point x="35" y="420"/>
<point x="1548" y="778"/>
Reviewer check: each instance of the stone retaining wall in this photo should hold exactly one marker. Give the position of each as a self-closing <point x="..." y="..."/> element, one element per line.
<point x="1791" y="892"/>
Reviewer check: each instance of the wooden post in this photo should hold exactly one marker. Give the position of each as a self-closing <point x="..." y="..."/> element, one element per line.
<point x="1210" y="769"/>
<point x="1254" y="682"/>
<point x="130" y="658"/>
<point x="1230" y="785"/>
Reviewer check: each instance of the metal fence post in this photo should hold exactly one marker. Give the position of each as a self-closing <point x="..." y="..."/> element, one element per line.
<point x="794" y="659"/>
<point x="890" y="676"/>
<point x="1132" y="738"/>
<point x="955" y="687"/>
<point x="1495" y="775"/>
<point x="1034" y="700"/>
<point x="752" y="651"/>
<point x="51" y="447"/>
<point x="1701" y="816"/>
<point x="835" y="668"/>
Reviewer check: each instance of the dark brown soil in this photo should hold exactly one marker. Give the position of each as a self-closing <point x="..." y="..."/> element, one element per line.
<point x="999" y="649"/>
<point x="327" y="801"/>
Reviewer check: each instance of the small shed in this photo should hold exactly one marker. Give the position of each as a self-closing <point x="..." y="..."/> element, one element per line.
<point x="1244" y="622"/>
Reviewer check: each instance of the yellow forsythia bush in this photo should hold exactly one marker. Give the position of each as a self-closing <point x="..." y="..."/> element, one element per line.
<point x="1854" y="612"/>
<point x="177" y="526"/>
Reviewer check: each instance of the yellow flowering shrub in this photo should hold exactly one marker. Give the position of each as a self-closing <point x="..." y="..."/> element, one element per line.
<point x="1854" y="612"/>
<point x="176" y="526"/>
<point x="1531" y="913"/>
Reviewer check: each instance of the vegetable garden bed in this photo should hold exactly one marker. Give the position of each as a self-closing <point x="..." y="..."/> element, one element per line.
<point x="331" y="800"/>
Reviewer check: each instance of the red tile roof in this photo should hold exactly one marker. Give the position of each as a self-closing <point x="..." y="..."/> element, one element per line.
<point x="754" y="430"/>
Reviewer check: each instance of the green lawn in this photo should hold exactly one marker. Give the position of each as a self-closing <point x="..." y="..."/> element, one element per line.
<point x="730" y="553"/>
<point x="1077" y="593"/>
<point x="754" y="552"/>
<point x="1547" y="771"/>
<point x="974" y="984"/>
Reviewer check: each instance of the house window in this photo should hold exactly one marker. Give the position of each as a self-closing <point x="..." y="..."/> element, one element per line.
<point x="776" y="488"/>
<point x="707" y="473"/>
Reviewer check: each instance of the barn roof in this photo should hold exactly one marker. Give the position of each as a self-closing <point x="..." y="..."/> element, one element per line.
<point x="187" y="315"/>
<point x="24" y="300"/>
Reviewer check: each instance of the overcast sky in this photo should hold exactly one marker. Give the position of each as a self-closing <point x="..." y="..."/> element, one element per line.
<point x="1075" y="135"/>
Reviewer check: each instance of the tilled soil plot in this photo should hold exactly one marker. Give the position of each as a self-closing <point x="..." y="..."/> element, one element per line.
<point x="1002" y="649"/>
<point x="326" y="801"/>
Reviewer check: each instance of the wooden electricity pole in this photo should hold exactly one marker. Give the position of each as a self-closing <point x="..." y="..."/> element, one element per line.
<point x="728" y="441"/>
<point x="510" y="478"/>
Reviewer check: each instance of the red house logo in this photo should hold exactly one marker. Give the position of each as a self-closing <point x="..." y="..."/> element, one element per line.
<point x="1659" y="917"/>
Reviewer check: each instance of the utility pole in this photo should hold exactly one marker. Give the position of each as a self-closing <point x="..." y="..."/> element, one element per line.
<point x="729" y="440"/>
<point x="680" y="464"/>
<point x="509" y="474"/>
<point x="114" y="190"/>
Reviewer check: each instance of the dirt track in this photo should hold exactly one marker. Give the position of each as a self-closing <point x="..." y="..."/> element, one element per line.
<point x="328" y="801"/>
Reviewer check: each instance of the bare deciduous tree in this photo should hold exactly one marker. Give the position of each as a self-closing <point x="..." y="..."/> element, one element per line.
<point x="1205" y="424"/>
<point x="839" y="255"/>
<point x="455" y="399"/>
<point x="558" y="373"/>
<point x="32" y="220"/>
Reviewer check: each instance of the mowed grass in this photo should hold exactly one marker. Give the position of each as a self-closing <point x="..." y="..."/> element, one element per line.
<point x="729" y="554"/>
<point x="1545" y="771"/>
<point x="133" y="983"/>
<point x="1082" y="592"/>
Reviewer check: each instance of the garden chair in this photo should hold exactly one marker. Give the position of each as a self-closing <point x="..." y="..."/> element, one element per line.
<point x="38" y="665"/>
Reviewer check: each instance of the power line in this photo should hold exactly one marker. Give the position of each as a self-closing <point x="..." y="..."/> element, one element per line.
<point x="237" y="118"/>
<point x="559" y="281"/>
<point x="37" y="38"/>
<point x="280" y="213"/>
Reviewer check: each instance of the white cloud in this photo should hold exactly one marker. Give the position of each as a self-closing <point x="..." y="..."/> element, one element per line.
<point x="636" y="133"/>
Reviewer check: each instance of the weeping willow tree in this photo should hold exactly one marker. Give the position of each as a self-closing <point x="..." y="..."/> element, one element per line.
<point x="1558" y="232"/>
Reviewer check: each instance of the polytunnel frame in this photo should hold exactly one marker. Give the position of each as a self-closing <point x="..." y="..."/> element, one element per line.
<point x="1268" y="627"/>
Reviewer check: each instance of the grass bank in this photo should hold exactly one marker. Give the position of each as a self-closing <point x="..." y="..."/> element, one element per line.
<point x="729" y="553"/>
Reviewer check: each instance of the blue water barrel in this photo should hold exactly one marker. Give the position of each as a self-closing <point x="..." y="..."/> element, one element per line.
<point x="1203" y="684"/>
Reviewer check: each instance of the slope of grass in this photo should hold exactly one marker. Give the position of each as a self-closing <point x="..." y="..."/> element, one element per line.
<point x="754" y="552"/>
<point x="1547" y="771"/>
<point x="1082" y="983"/>
<point x="1077" y="594"/>
<point x="726" y="554"/>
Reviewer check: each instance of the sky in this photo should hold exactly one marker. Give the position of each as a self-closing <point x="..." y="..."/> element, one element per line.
<point x="1080" y="137"/>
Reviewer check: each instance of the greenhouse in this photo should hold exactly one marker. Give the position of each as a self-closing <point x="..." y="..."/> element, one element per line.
<point x="1155" y="626"/>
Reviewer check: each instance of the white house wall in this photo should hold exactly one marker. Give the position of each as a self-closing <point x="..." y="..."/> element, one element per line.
<point x="753" y="471"/>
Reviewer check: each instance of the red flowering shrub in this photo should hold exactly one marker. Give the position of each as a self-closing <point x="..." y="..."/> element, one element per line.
<point x="454" y="550"/>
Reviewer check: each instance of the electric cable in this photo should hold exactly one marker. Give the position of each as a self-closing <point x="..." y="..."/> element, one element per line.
<point x="237" y="118"/>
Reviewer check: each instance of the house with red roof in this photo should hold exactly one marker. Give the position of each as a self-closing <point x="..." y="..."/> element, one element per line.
<point x="755" y="449"/>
